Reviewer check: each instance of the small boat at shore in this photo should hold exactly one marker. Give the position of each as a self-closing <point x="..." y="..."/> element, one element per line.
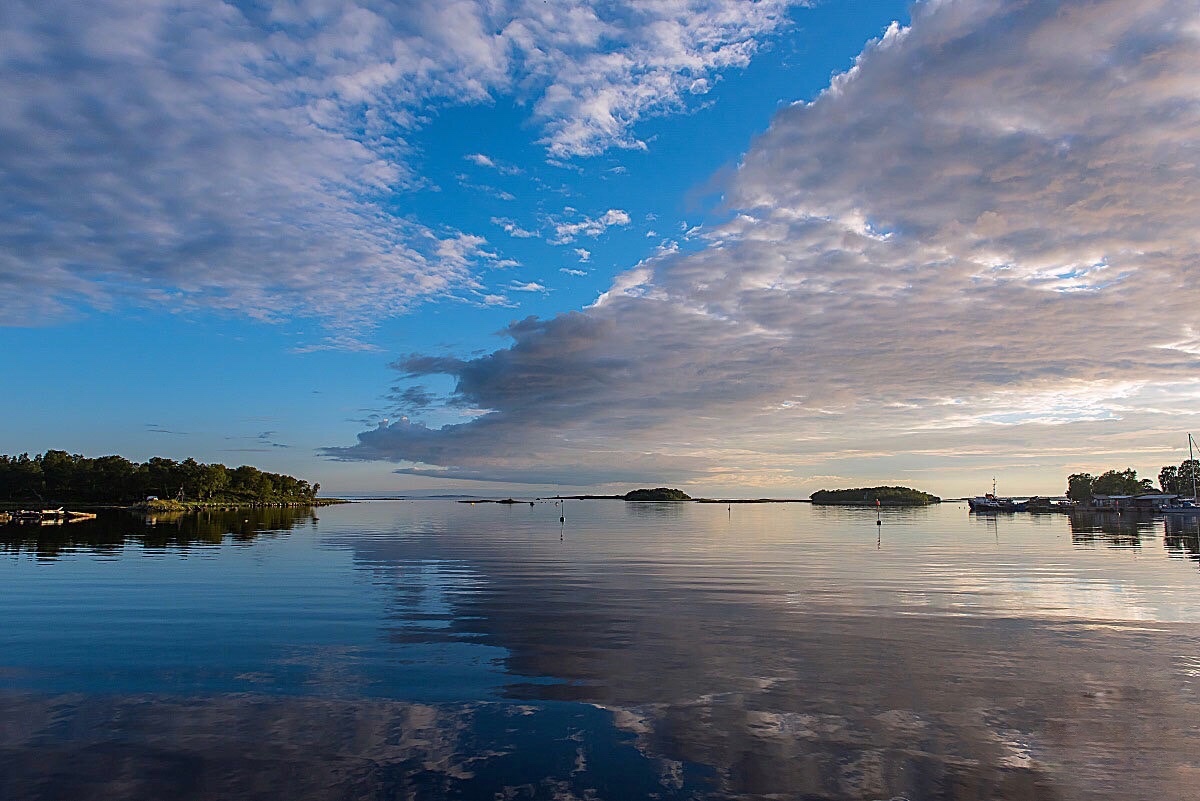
<point x="1181" y="507"/>
<point x="34" y="515"/>
<point x="1044" y="504"/>
<point x="45" y="516"/>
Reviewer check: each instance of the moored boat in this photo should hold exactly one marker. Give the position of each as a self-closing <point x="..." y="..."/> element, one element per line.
<point x="1043" y="504"/>
<point x="1182" y="506"/>
<point x="37" y="515"/>
<point x="991" y="502"/>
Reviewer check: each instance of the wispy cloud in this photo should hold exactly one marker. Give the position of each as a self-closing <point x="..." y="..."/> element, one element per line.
<point x="268" y="438"/>
<point x="513" y="229"/>
<point x="530" y="286"/>
<point x="671" y="50"/>
<point x="480" y="160"/>
<point x="248" y="159"/>
<point x="262" y="442"/>
<point x="503" y="168"/>
<point x="565" y="232"/>
<point x="155" y="428"/>
<point x="340" y="342"/>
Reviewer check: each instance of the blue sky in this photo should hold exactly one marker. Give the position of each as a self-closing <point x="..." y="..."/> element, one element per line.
<point x="744" y="248"/>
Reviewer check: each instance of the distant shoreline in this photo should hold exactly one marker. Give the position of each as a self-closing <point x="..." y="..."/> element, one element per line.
<point x="172" y="506"/>
<point x="508" y="501"/>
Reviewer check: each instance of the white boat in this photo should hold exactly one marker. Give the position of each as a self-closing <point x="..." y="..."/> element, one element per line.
<point x="1183" y="506"/>
<point x="991" y="502"/>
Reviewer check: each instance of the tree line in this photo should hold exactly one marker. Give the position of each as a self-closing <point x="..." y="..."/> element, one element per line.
<point x="58" y="476"/>
<point x="1081" y="487"/>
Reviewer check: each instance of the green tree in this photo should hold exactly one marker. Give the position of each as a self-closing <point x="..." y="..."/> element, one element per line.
<point x="58" y="473"/>
<point x="1179" y="480"/>
<point x="20" y="477"/>
<point x="1121" y="482"/>
<point x="191" y="479"/>
<point x="214" y="480"/>
<point x="1168" y="479"/>
<point x="112" y="479"/>
<point x="163" y="477"/>
<point x="1189" y="476"/>
<point x="1079" y="487"/>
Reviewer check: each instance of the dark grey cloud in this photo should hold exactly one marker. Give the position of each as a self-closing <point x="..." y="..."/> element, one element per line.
<point x="155" y="428"/>
<point x="269" y="438"/>
<point x="982" y="234"/>
<point x="262" y="442"/>
<point x="412" y="399"/>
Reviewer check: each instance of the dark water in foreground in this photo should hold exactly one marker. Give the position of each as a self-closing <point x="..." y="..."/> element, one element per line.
<point x="435" y="650"/>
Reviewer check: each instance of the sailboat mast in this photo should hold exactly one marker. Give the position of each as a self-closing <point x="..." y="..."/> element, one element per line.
<point x="1192" y="466"/>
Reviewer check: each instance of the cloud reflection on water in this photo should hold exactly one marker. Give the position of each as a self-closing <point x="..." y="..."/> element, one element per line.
<point x="709" y="653"/>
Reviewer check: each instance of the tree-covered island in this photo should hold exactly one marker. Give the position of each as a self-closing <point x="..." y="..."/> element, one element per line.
<point x="657" y="494"/>
<point x="867" y="496"/>
<point x="58" y="477"/>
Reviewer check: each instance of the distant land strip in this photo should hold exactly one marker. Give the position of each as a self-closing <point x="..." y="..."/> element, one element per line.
<point x="656" y="495"/>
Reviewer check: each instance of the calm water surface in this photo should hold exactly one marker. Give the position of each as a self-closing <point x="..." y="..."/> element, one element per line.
<point x="436" y="650"/>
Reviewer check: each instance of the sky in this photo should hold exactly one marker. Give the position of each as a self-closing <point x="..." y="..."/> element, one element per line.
<point x="742" y="248"/>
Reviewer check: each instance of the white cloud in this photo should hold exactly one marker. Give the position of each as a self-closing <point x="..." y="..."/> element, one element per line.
<point x="596" y="95"/>
<point x="894" y="284"/>
<point x="512" y="228"/>
<point x="487" y="161"/>
<point x="530" y="286"/>
<point x="249" y="158"/>
<point x="480" y="159"/>
<point x="583" y="254"/>
<point x="565" y="232"/>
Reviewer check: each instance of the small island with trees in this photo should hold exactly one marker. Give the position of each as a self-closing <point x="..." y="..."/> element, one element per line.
<point x="59" y="477"/>
<point x="656" y="494"/>
<point x="868" y="496"/>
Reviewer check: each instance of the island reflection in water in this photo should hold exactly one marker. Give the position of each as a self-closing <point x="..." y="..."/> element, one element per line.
<point x="112" y="530"/>
<point x="436" y="650"/>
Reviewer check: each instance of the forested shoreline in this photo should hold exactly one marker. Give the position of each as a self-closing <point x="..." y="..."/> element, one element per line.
<point x="61" y="477"/>
<point x="1181" y="480"/>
